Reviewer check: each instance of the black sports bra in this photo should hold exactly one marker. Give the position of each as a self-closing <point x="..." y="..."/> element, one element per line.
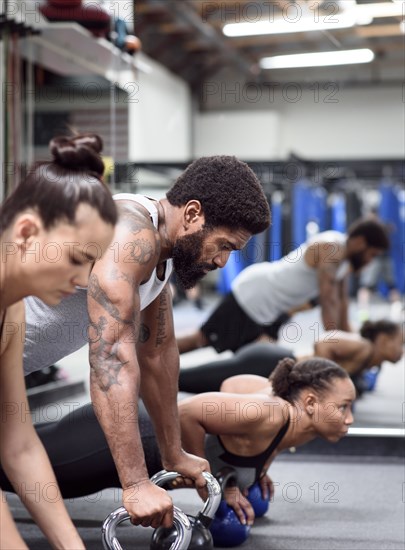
<point x="249" y="468"/>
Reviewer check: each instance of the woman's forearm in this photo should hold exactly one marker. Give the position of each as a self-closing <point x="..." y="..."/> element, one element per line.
<point x="10" y="538"/>
<point x="33" y="479"/>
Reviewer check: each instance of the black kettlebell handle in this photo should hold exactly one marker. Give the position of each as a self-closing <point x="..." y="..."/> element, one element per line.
<point x="225" y="475"/>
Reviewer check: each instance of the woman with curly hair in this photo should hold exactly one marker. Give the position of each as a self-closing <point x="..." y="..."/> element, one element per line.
<point x="377" y="341"/>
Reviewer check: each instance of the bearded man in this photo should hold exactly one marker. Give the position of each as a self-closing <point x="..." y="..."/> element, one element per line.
<point x="125" y="314"/>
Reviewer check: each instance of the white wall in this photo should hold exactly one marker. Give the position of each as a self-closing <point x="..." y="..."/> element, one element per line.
<point x="363" y="123"/>
<point x="160" y="118"/>
<point x="247" y="134"/>
<point x="331" y="123"/>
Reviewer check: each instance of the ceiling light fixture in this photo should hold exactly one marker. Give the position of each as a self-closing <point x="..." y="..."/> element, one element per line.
<point x="381" y="9"/>
<point x="284" y="26"/>
<point x="354" y="14"/>
<point x="318" y="59"/>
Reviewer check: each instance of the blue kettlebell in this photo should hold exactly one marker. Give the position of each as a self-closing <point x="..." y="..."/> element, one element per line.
<point x="259" y="504"/>
<point x="226" y="529"/>
<point x="370" y="378"/>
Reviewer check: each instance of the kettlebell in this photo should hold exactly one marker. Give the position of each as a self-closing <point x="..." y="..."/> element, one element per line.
<point x="369" y="378"/>
<point x="180" y="520"/>
<point x="226" y="529"/>
<point x="201" y="538"/>
<point x="259" y="504"/>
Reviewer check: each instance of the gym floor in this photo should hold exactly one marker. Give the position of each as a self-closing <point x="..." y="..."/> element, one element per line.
<point x="321" y="502"/>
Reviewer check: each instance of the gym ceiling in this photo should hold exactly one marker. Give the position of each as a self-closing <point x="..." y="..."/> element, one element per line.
<point x="187" y="37"/>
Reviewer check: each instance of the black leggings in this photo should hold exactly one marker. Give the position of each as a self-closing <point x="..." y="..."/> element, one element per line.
<point x="80" y="455"/>
<point x="77" y="447"/>
<point x="256" y="358"/>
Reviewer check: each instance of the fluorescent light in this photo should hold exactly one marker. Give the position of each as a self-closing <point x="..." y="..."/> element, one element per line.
<point x="318" y="59"/>
<point x="381" y="9"/>
<point x="281" y="26"/>
<point x="351" y="15"/>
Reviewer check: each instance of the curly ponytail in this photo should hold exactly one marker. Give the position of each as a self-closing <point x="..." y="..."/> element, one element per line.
<point x="290" y="377"/>
<point x="371" y="329"/>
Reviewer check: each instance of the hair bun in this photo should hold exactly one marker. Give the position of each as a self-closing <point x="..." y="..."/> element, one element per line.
<point x="81" y="152"/>
<point x="287" y="364"/>
<point x="371" y="329"/>
<point x="280" y="377"/>
<point x="367" y="330"/>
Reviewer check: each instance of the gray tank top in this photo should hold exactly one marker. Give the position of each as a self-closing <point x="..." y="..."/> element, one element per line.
<point x="266" y="290"/>
<point x="53" y="332"/>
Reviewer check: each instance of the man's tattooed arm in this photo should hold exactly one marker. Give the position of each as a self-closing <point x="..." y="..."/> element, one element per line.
<point x="96" y="292"/>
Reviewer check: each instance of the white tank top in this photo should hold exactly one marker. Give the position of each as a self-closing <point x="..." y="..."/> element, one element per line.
<point x="153" y="287"/>
<point x="53" y="332"/>
<point x="267" y="289"/>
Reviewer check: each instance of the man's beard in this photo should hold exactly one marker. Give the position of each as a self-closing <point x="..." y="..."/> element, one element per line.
<point x="186" y="254"/>
<point x="357" y="261"/>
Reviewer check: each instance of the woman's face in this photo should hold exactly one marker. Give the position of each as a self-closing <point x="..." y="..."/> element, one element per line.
<point x="332" y="411"/>
<point x="59" y="259"/>
<point x="391" y="346"/>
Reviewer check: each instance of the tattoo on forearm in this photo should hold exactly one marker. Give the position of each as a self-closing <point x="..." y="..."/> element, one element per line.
<point x="108" y="370"/>
<point x="144" y="333"/>
<point x="161" y="318"/>
<point x="104" y="359"/>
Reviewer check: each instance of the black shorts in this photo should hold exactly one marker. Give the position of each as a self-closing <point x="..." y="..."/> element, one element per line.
<point x="230" y="328"/>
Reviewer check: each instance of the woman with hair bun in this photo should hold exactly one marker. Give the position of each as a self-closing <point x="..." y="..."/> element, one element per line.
<point x="53" y="226"/>
<point x="377" y="341"/>
<point x="248" y="429"/>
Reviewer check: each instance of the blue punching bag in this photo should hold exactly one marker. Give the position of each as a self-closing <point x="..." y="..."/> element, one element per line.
<point x="301" y="197"/>
<point x="317" y="211"/>
<point x="391" y="213"/>
<point x="276" y="227"/>
<point x="227" y="274"/>
<point x="338" y="220"/>
<point x="398" y="245"/>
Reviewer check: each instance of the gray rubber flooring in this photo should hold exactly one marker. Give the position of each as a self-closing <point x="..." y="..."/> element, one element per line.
<point x="318" y="505"/>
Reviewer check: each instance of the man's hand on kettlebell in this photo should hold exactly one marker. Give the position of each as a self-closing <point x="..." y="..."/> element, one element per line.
<point x="148" y="505"/>
<point x="191" y="468"/>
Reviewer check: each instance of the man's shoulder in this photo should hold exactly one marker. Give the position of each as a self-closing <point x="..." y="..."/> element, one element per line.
<point x="326" y="249"/>
<point x="328" y="237"/>
<point x="134" y="216"/>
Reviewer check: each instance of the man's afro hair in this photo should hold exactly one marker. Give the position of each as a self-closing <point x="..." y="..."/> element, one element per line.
<point x="229" y="192"/>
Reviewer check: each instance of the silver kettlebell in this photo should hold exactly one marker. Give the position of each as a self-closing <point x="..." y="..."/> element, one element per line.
<point x="180" y="520"/>
<point x="213" y="487"/>
<point x="201" y="538"/>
